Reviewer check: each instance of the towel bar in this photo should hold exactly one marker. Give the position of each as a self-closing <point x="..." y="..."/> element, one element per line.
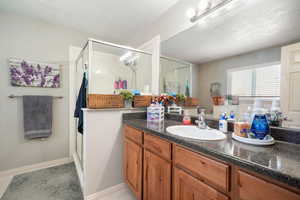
<point x="15" y="96"/>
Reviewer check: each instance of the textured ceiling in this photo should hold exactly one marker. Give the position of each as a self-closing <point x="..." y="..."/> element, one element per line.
<point x="111" y="20"/>
<point x="248" y="26"/>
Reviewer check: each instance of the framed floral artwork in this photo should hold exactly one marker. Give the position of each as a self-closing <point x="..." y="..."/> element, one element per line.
<point x="24" y="73"/>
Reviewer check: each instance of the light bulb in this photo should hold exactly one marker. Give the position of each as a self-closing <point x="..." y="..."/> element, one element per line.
<point x="190" y="13"/>
<point x="125" y="56"/>
<point x="203" y="5"/>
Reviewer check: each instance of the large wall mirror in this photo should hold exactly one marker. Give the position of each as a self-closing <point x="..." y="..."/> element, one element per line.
<point x="248" y="51"/>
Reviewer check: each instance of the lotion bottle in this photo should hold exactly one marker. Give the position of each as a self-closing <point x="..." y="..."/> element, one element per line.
<point x="223" y="124"/>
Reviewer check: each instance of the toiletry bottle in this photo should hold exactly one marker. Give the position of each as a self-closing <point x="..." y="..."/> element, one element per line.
<point x="116" y="85"/>
<point x="260" y="126"/>
<point x="223" y="124"/>
<point x="125" y="84"/>
<point x="231" y="116"/>
<point x="186" y="120"/>
<point x="275" y="113"/>
<point x="187" y="89"/>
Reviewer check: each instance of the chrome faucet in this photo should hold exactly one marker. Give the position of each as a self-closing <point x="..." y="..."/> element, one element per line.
<point x="201" y="119"/>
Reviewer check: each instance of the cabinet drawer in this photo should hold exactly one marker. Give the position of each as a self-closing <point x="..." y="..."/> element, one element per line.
<point x="133" y="134"/>
<point x="158" y="146"/>
<point x="187" y="187"/>
<point x="213" y="172"/>
<point x="253" y="188"/>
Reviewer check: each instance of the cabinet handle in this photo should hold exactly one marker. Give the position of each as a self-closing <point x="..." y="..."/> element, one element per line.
<point x="160" y="176"/>
<point x="146" y="172"/>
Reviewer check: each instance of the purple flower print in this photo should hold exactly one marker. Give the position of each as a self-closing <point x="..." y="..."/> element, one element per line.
<point x="30" y="74"/>
<point x="56" y="81"/>
<point x="47" y="70"/>
<point x="43" y="82"/>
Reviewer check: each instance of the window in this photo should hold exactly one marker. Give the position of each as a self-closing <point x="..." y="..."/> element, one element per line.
<point x="255" y="81"/>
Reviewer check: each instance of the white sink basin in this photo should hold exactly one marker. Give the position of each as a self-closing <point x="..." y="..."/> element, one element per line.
<point x="194" y="132"/>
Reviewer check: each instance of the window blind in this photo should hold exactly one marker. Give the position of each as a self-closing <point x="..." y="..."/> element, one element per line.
<point x="256" y="81"/>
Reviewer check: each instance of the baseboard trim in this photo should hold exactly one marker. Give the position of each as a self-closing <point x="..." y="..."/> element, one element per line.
<point x="108" y="191"/>
<point x="78" y="169"/>
<point x="34" y="167"/>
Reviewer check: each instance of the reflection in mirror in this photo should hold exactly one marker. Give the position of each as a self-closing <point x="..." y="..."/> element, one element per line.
<point x="254" y="81"/>
<point x="246" y="54"/>
<point x="175" y="77"/>
<point x="115" y="68"/>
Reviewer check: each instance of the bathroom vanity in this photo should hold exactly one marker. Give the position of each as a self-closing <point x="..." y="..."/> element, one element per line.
<point x="161" y="166"/>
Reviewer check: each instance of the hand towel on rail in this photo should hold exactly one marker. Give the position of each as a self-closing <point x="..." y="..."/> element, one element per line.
<point x="81" y="103"/>
<point x="37" y="114"/>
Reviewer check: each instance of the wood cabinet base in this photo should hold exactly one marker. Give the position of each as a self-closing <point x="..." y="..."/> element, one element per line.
<point x="157" y="169"/>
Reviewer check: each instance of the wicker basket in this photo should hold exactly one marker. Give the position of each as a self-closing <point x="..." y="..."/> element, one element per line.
<point x="141" y="101"/>
<point x="105" y="101"/>
<point x="190" y="101"/>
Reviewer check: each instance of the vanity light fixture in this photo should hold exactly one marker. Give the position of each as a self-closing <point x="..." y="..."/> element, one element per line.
<point x="206" y="7"/>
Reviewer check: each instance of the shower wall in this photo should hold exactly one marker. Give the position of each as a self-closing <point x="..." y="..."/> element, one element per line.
<point x="106" y="69"/>
<point x="112" y="63"/>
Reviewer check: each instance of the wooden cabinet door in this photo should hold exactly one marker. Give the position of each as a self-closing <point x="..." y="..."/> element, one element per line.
<point x="187" y="187"/>
<point x="157" y="177"/>
<point x="133" y="167"/>
<point x="253" y="188"/>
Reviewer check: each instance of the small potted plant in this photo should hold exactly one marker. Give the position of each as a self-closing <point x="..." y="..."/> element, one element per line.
<point x="127" y="97"/>
<point x="180" y="99"/>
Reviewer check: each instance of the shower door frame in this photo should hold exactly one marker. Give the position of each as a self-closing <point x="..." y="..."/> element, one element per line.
<point x="88" y="46"/>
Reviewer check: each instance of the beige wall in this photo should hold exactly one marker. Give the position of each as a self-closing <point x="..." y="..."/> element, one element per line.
<point x="216" y="71"/>
<point x="35" y="40"/>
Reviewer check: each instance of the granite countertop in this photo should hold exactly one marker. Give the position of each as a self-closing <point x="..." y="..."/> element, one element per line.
<point x="280" y="161"/>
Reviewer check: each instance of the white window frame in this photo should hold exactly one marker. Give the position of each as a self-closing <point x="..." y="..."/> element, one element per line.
<point x="247" y="98"/>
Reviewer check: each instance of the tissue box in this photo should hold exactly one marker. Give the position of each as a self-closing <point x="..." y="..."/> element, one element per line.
<point x="155" y="113"/>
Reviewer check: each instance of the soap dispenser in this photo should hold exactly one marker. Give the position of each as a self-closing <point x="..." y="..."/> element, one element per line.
<point x="260" y="126"/>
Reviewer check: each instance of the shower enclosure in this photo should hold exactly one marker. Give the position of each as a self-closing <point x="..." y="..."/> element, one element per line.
<point x="109" y="69"/>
